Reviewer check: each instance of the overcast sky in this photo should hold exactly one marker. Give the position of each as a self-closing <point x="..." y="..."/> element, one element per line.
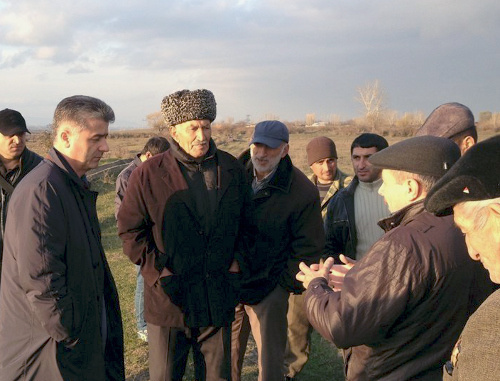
<point x="284" y="58"/>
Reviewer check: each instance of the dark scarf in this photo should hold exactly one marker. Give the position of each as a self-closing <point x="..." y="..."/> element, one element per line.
<point x="201" y="177"/>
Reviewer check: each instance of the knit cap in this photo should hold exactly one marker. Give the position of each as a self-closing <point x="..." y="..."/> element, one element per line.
<point x="320" y="148"/>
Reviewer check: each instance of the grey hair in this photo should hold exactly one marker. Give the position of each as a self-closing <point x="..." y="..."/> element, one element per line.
<point x="77" y="109"/>
<point x="427" y="182"/>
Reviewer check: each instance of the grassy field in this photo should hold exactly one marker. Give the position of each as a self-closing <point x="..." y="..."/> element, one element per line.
<point x="324" y="364"/>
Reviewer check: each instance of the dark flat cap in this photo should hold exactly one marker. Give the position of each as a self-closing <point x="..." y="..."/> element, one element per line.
<point x="185" y="105"/>
<point x="12" y="122"/>
<point x="475" y="177"/>
<point x="423" y="155"/>
<point x="447" y="121"/>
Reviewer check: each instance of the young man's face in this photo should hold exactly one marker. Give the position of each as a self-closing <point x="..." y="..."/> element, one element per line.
<point x="193" y="136"/>
<point x="12" y="146"/>
<point x="325" y="170"/>
<point x="483" y="243"/>
<point x="362" y="168"/>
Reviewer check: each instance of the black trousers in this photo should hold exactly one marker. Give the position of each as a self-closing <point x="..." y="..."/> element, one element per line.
<point x="169" y="348"/>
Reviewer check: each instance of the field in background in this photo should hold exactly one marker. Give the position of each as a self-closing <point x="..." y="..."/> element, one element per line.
<point x="325" y="364"/>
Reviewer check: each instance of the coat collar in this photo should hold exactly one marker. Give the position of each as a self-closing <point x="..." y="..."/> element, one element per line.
<point x="402" y="216"/>
<point x="190" y="162"/>
<point x="173" y="179"/>
<point x="282" y="179"/>
<point x="137" y="160"/>
<point x="58" y="159"/>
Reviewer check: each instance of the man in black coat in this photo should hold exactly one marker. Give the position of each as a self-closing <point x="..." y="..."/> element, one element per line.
<point x="59" y="311"/>
<point x="408" y="299"/>
<point x="15" y="161"/>
<point x="290" y="230"/>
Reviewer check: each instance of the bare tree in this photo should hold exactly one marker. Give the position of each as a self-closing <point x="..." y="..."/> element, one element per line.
<point x="155" y="120"/>
<point x="373" y="99"/>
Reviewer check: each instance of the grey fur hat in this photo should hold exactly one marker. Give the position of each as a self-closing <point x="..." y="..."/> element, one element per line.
<point x="185" y="105"/>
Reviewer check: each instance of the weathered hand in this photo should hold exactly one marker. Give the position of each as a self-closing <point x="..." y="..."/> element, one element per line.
<point x="307" y="274"/>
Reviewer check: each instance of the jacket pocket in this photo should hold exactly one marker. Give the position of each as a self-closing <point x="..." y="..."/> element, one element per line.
<point x="171" y="285"/>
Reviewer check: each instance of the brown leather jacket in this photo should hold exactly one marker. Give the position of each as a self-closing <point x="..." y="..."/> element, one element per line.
<point x="407" y="299"/>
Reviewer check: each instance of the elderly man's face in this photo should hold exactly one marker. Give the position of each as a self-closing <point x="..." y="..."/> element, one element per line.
<point x="265" y="158"/>
<point x="193" y="136"/>
<point x="483" y="242"/>
<point x="325" y="170"/>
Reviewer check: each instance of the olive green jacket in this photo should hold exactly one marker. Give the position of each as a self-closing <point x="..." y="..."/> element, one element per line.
<point x="341" y="180"/>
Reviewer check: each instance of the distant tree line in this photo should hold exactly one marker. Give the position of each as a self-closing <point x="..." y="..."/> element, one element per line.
<point x="375" y="116"/>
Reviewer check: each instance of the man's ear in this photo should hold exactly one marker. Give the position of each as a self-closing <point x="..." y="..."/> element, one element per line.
<point x="467" y="143"/>
<point x="65" y="137"/>
<point x="173" y="132"/>
<point x="285" y="151"/>
<point x="413" y="188"/>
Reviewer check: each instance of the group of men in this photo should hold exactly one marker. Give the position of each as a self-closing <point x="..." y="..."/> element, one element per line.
<point x="226" y="246"/>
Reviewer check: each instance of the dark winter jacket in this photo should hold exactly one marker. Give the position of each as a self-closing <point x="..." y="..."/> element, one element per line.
<point x="160" y="227"/>
<point x="29" y="160"/>
<point x="407" y="299"/>
<point x="290" y="231"/>
<point x="340" y="226"/>
<point x="57" y="287"/>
